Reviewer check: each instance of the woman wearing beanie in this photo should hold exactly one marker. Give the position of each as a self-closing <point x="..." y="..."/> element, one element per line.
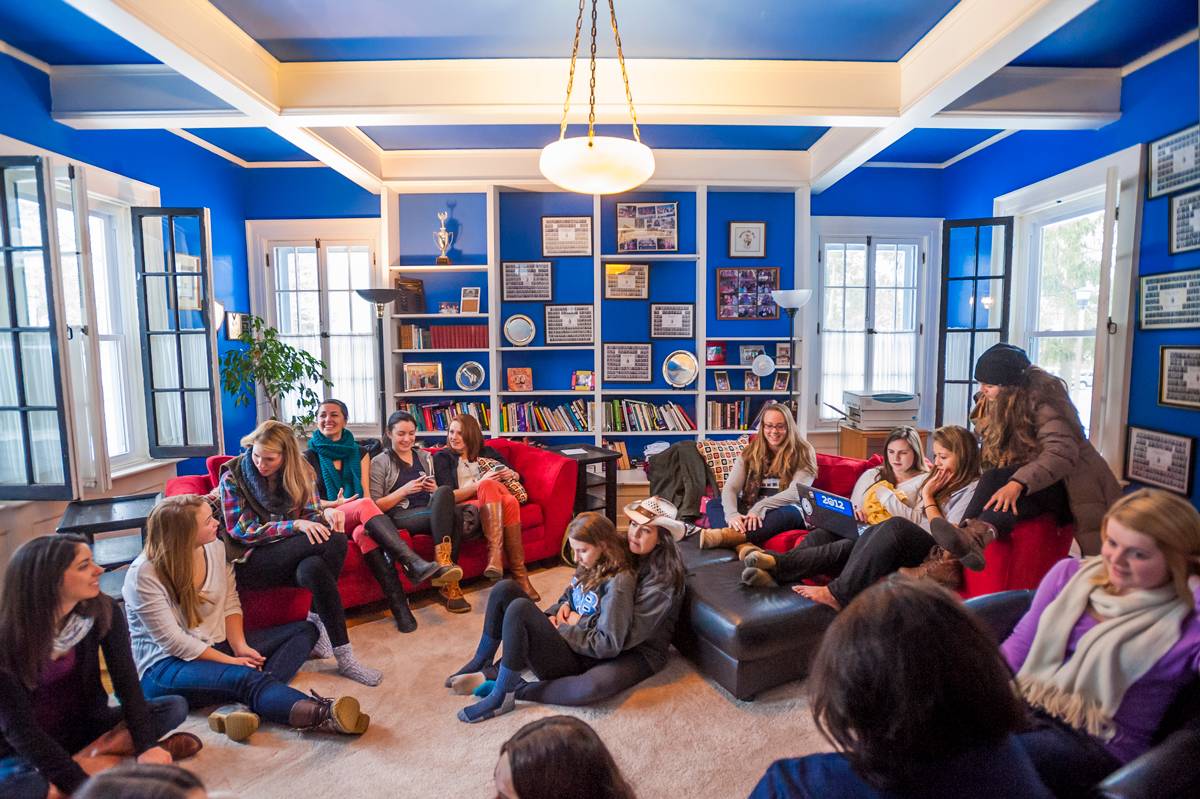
<point x="1036" y="459"/>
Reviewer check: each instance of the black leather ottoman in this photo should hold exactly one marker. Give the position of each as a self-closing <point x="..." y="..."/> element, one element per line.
<point x="747" y="639"/>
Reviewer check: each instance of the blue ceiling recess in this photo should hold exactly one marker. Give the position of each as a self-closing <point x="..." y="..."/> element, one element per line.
<point x="681" y="137"/>
<point x="384" y="30"/>
<point x="56" y="33"/>
<point x="932" y="145"/>
<point x="253" y="144"/>
<point x="1112" y="33"/>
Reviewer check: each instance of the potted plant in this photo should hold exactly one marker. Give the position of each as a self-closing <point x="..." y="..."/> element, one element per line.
<point x="275" y="366"/>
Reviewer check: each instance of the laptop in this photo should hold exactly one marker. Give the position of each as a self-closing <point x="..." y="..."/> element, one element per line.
<point x="829" y="511"/>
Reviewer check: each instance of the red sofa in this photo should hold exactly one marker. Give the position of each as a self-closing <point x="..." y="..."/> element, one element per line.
<point x="547" y="476"/>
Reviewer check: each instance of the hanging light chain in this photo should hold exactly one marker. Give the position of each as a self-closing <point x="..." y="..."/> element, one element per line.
<point x="592" y="84"/>
<point x="621" y="59"/>
<point x="562" y="126"/>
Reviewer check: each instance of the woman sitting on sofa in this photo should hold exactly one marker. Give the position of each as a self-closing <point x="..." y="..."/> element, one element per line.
<point x="279" y="536"/>
<point x="759" y="496"/>
<point x="1109" y="642"/>
<point x="343" y="472"/>
<point x="902" y="468"/>
<point x="459" y="467"/>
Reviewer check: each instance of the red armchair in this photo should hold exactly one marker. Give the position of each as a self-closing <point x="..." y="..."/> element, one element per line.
<point x="548" y="477"/>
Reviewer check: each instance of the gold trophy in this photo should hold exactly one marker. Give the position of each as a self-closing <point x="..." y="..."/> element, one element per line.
<point x="443" y="238"/>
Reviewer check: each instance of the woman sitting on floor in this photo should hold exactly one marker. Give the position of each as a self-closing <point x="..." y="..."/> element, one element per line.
<point x="458" y="466"/>
<point x="402" y="485"/>
<point x="54" y="622"/>
<point x="902" y="468"/>
<point x="902" y="541"/>
<point x="280" y="537"/>
<point x="908" y="685"/>
<point x="1109" y="642"/>
<point x="559" y="757"/>
<point x="343" y="473"/>
<point x="185" y="622"/>
<point x="759" y="496"/>
<point x="590" y="622"/>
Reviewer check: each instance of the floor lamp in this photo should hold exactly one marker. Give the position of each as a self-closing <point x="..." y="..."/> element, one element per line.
<point x="381" y="298"/>
<point x="792" y="300"/>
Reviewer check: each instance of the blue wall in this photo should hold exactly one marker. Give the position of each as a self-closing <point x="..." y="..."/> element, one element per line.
<point x="883" y="191"/>
<point x="305" y="193"/>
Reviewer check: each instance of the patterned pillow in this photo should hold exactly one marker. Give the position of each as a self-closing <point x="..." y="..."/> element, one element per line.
<point x="720" y="455"/>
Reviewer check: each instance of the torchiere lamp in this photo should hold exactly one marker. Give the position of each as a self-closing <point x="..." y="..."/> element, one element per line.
<point x="792" y="300"/>
<point x="381" y="298"/>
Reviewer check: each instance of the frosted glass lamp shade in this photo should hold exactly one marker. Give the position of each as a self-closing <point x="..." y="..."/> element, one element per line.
<point x="791" y="298"/>
<point x="599" y="165"/>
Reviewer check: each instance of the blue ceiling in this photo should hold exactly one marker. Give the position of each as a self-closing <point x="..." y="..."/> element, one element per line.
<point x="360" y="30"/>
<point x="683" y="137"/>
<point x="58" y="34"/>
<point x="932" y="145"/>
<point x="253" y="144"/>
<point x="1113" y="33"/>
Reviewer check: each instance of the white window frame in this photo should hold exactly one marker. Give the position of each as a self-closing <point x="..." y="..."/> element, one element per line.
<point x="926" y="232"/>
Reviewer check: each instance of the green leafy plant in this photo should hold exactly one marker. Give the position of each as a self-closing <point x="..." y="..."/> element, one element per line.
<point x="275" y="366"/>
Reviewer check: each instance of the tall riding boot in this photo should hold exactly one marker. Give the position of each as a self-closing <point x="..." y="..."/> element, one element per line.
<point x="393" y="591"/>
<point x="383" y="532"/>
<point x="491" y="520"/>
<point x="451" y="592"/>
<point x="514" y="550"/>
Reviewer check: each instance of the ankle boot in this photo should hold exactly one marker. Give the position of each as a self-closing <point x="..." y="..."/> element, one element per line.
<point x="451" y="592"/>
<point x="744" y="550"/>
<point x="235" y="721"/>
<point x="341" y="715"/>
<point x="418" y="570"/>
<point x="725" y="537"/>
<point x="491" y="520"/>
<point x="514" y="550"/>
<point x="393" y="591"/>
<point x="965" y="541"/>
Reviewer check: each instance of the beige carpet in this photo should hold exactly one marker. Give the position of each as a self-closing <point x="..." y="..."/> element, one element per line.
<point x="677" y="732"/>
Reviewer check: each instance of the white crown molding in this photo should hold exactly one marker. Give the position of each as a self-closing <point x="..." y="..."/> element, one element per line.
<point x="1183" y="40"/>
<point x="25" y="58"/>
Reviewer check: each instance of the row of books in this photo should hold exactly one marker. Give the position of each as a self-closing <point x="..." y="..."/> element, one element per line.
<point x="438" y="415"/>
<point x="440" y="337"/>
<point x="533" y="417"/>
<point x="728" y="415"/>
<point x="637" y="415"/>
<point x="618" y="445"/>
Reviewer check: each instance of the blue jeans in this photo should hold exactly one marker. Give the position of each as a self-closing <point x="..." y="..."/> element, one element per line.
<point x="205" y="682"/>
<point x="776" y="521"/>
<point x="20" y="780"/>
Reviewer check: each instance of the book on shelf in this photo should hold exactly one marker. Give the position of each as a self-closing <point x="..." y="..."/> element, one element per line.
<point x="437" y="416"/>
<point x="618" y="446"/>
<point x="534" y="417"/>
<point x="443" y="337"/>
<point x="629" y="416"/>
<point x="728" y="415"/>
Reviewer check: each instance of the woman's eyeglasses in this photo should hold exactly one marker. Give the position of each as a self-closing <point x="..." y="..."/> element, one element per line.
<point x="780" y="428"/>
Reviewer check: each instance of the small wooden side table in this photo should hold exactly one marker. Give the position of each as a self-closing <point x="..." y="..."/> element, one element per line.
<point x="108" y="515"/>
<point x="593" y="491"/>
<point x="862" y="444"/>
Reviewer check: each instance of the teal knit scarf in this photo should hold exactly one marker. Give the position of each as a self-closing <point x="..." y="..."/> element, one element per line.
<point x="346" y="450"/>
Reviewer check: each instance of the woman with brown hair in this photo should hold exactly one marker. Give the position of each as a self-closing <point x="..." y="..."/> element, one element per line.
<point x="558" y="757"/>
<point x="910" y="688"/>
<point x="1109" y="642"/>
<point x="279" y="536"/>
<point x="903" y="462"/>
<point x="185" y="621"/>
<point x="458" y="466"/>
<point x="1036" y="459"/>
<point x="757" y="501"/>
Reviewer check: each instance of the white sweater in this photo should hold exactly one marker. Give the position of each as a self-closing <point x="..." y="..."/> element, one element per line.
<point x="953" y="509"/>
<point x="789" y="493"/>
<point x="157" y="628"/>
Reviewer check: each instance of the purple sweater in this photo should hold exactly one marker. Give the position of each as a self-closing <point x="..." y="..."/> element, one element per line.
<point x="1146" y="701"/>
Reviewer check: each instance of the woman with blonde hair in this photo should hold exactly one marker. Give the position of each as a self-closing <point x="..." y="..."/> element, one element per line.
<point x="279" y="536"/>
<point x="759" y="496"/>
<point x="1109" y="642"/>
<point x="185" y="623"/>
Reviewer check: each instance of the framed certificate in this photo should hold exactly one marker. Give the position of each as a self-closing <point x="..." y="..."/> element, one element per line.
<point x="627" y="363"/>
<point x="1160" y="459"/>
<point x="566" y="235"/>
<point x="1179" y="377"/>
<point x="1174" y="163"/>
<point x="1170" y="300"/>
<point x="569" y="324"/>
<point x="626" y="281"/>
<point x="526" y="281"/>
<point x="672" y="320"/>
<point x="1185" y="222"/>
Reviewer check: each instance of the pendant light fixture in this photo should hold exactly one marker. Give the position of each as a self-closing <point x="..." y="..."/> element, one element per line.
<point x="596" y="164"/>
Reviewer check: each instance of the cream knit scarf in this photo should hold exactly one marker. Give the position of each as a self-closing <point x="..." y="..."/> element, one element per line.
<point x="1086" y="690"/>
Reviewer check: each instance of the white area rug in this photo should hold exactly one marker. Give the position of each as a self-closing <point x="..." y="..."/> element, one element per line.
<point x="677" y="733"/>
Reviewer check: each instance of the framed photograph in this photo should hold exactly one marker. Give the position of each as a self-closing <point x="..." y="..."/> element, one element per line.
<point x="448" y="307"/>
<point x="520" y="378"/>
<point x="187" y="286"/>
<point x="1179" y="377"/>
<point x="234" y="323"/>
<point x="747" y="239"/>
<point x="1174" y="162"/>
<point x="422" y="377"/>
<point x="1170" y="300"/>
<point x="570" y="324"/>
<point x="744" y="294"/>
<point x="647" y="227"/>
<point x="470" y="299"/>
<point x="721" y="380"/>
<point x="782" y="380"/>
<point x="583" y="380"/>
<point x="714" y="354"/>
<point x="526" y="281"/>
<point x="783" y="354"/>
<point x="627" y="363"/>
<point x="626" y="281"/>
<point x="566" y="235"/>
<point x="748" y="352"/>
<point x="672" y="320"/>
<point x="752" y="383"/>
<point x="1185" y="222"/>
<point x="1160" y="459"/>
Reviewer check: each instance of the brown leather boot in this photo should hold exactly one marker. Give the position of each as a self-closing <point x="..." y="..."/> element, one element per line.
<point x="939" y="566"/>
<point x="332" y="715"/>
<point x="514" y="550"/>
<point x="451" y="592"/>
<point x="491" y="520"/>
<point x="966" y="541"/>
<point x="725" y="537"/>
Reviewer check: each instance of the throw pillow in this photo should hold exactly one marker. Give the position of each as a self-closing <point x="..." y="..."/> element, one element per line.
<point x="511" y="483"/>
<point x="720" y="455"/>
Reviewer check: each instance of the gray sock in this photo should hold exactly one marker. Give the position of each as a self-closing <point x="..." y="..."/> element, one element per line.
<point x="323" y="648"/>
<point x="349" y="666"/>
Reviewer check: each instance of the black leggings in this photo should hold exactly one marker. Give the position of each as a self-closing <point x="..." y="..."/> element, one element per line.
<point x="1052" y="499"/>
<point x="607" y="678"/>
<point x="296" y="562"/>
<point x="776" y="521"/>
<point x="880" y="550"/>
<point x="821" y="552"/>
<point x="435" y="519"/>
<point x="530" y="640"/>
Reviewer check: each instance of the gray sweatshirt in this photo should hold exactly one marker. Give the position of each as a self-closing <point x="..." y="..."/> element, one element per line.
<point x="786" y="494"/>
<point x="655" y="611"/>
<point x="606" y="616"/>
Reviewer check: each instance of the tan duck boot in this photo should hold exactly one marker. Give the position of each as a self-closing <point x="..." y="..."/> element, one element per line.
<point x="491" y="520"/>
<point x="514" y="550"/>
<point x="451" y="592"/>
<point x="721" y="537"/>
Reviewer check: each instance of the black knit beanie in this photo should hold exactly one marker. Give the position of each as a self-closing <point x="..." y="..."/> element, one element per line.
<point x="1001" y="365"/>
